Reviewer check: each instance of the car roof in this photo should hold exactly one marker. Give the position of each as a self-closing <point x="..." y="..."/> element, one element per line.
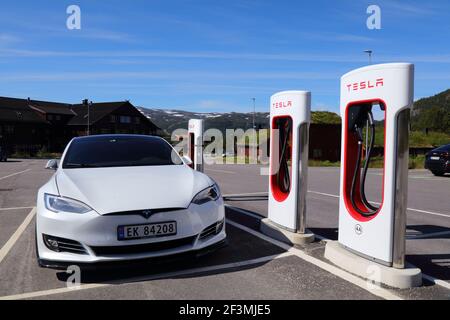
<point x="443" y="148"/>
<point x="116" y="136"/>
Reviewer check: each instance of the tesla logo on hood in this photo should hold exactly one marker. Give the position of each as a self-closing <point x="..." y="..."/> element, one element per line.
<point x="146" y="213"/>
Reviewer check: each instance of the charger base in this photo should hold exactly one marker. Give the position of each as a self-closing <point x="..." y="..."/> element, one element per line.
<point x="406" y="278"/>
<point x="270" y="229"/>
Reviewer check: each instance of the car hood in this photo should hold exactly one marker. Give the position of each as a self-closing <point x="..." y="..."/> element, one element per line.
<point x="117" y="189"/>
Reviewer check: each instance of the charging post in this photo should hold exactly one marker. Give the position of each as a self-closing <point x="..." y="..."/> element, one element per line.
<point x="195" y="143"/>
<point x="373" y="234"/>
<point x="290" y="114"/>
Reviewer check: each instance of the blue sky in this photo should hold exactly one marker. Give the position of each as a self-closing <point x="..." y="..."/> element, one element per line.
<point x="213" y="55"/>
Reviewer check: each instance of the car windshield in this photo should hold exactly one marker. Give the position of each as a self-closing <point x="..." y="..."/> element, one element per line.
<point x="119" y="151"/>
<point x="443" y="148"/>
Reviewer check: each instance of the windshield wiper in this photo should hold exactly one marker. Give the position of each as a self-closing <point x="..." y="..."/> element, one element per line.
<point x="81" y="165"/>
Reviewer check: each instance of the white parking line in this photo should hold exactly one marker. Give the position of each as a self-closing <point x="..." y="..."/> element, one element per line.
<point x="10" y="243"/>
<point x="148" y="278"/>
<point x="249" y="194"/>
<point x="410" y="209"/>
<point x="250" y="214"/>
<point x="15" y="208"/>
<point x="427" y="235"/>
<point x="223" y="171"/>
<point x="13" y="174"/>
<point x="440" y="282"/>
<point x="373" y="289"/>
<point x="436" y="281"/>
<point x="426" y="177"/>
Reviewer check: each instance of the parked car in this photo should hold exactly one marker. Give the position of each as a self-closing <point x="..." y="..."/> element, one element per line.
<point x="3" y="155"/>
<point x="125" y="197"/>
<point x="438" y="160"/>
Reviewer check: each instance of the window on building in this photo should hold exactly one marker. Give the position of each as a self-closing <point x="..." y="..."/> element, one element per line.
<point x="50" y="117"/>
<point x="57" y="117"/>
<point x="317" y="153"/>
<point x="137" y="120"/>
<point x="125" y="119"/>
<point x="112" y="118"/>
<point x="9" y="129"/>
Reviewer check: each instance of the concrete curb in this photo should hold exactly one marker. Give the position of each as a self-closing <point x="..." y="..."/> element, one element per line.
<point x="409" y="277"/>
<point x="292" y="238"/>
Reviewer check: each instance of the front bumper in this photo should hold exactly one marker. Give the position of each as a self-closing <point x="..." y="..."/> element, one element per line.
<point x="93" y="231"/>
<point x="60" y="265"/>
<point x="438" y="165"/>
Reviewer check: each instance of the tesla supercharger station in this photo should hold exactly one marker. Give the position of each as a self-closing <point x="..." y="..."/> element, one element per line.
<point x="195" y="143"/>
<point x="373" y="234"/>
<point x="290" y="114"/>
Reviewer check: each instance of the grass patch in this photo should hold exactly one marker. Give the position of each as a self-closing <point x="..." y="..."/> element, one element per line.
<point x="376" y="162"/>
<point x="40" y="154"/>
<point x="320" y="163"/>
<point x="417" y="139"/>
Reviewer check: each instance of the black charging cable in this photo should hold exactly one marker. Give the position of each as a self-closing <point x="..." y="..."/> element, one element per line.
<point x="369" y="206"/>
<point x="283" y="175"/>
<point x="372" y="210"/>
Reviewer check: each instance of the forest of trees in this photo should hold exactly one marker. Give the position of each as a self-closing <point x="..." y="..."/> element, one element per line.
<point x="432" y="113"/>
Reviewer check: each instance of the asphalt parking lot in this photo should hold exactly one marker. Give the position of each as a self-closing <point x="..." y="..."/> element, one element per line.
<point x="252" y="266"/>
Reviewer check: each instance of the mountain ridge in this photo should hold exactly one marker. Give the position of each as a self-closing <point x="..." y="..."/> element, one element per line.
<point x="432" y="113"/>
<point x="171" y="119"/>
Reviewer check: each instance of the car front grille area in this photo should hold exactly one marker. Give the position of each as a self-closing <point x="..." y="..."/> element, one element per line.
<point x="66" y="245"/>
<point x="63" y="245"/>
<point x="143" y="248"/>
<point x="212" y="230"/>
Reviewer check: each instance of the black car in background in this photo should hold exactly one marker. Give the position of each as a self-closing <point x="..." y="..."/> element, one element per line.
<point x="438" y="160"/>
<point x="3" y="155"/>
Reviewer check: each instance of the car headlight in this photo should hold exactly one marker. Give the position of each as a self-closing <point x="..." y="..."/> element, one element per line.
<point x="60" y="204"/>
<point x="211" y="193"/>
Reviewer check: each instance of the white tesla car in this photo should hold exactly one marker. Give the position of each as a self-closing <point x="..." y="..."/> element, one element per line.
<point x="125" y="197"/>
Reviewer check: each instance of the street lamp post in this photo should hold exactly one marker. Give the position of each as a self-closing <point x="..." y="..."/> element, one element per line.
<point x="89" y="105"/>
<point x="254" y="112"/>
<point x="369" y="52"/>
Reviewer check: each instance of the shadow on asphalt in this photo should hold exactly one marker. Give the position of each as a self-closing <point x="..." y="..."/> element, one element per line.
<point x="435" y="265"/>
<point x="242" y="246"/>
<point x="427" y="232"/>
<point x="329" y="233"/>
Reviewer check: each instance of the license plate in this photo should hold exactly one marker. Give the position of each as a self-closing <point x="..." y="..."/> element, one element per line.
<point x="150" y="230"/>
<point x="435" y="158"/>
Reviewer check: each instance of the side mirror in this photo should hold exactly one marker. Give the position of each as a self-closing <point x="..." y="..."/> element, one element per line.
<point x="186" y="160"/>
<point x="52" y="164"/>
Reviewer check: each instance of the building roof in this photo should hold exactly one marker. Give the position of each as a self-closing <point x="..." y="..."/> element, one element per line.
<point x="27" y="110"/>
<point x="18" y="110"/>
<point x="52" y="107"/>
<point x="96" y="112"/>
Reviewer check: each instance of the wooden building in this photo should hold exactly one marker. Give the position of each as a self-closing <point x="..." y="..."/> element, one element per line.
<point x="28" y="126"/>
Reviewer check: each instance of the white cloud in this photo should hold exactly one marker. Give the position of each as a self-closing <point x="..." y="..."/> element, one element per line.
<point x="412" y="9"/>
<point x="218" y="55"/>
<point x="334" y="37"/>
<point x="8" y="39"/>
<point x="119" y="75"/>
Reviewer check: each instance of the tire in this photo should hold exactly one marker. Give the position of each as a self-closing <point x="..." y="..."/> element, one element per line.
<point x="438" y="173"/>
<point x="37" y="251"/>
